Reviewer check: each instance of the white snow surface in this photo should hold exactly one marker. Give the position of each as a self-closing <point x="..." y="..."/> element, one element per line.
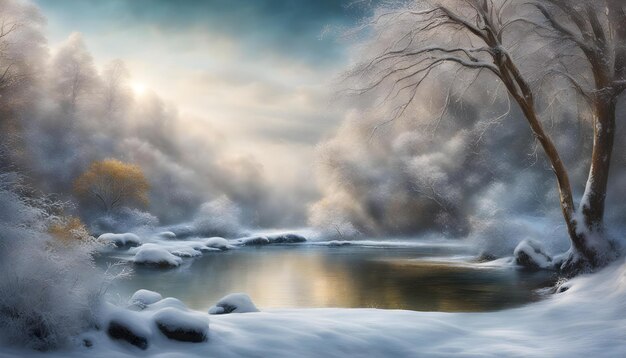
<point x="535" y="251"/>
<point x="145" y="297"/>
<point x="167" y="235"/>
<point x="219" y="243"/>
<point x="120" y="239"/>
<point x="174" y="318"/>
<point x="152" y="254"/>
<point x="236" y="303"/>
<point x="587" y="320"/>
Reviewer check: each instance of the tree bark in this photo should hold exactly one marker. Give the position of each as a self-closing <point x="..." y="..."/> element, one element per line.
<point x="593" y="202"/>
<point x="595" y="192"/>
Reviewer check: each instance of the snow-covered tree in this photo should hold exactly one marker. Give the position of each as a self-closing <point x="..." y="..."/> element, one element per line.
<point x="516" y="44"/>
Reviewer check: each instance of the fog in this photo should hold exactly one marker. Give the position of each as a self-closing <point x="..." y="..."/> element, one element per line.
<point x="207" y="146"/>
<point x="459" y="161"/>
<point x="78" y="113"/>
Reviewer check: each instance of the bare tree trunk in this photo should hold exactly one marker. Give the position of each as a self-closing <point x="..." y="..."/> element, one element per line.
<point x="595" y="192"/>
<point x="593" y="202"/>
<point x="588" y="242"/>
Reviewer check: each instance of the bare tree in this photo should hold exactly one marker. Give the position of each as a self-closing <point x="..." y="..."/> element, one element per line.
<point x="74" y="73"/>
<point x="598" y="31"/>
<point x="479" y="35"/>
<point x="115" y="88"/>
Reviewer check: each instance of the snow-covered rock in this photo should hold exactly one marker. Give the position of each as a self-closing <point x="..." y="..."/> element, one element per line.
<point x="253" y="241"/>
<point x="166" y="235"/>
<point x="234" y="303"/>
<point x="143" y="298"/>
<point x="218" y="243"/>
<point x="286" y="239"/>
<point x="337" y="243"/>
<point x="185" y="251"/>
<point x="151" y="254"/>
<point x="169" y="302"/>
<point x="181" y="326"/>
<point x="121" y="240"/>
<point x="271" y="239"/>
<point x="130" y="327"/>
<point x="531" y="254"/>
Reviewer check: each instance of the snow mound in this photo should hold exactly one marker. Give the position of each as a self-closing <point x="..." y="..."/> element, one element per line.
<point x="166" y="235"/>
<point x="185" y="251"/>
<point x="253" y="241"/>
<point x="218" y="243"/>
<point x="168" y="302"/>
<point x="286" y="239"/>
<point x="120" y="240"/>
<point x="181" y="326"/>
<point x="531" y="254"/>
<point x="151" y="254"/>
<point x="130" y="327"/>
<point x="281" y="238"/>
<point x="145" y="297"/>
<point x="168" y="316"/>
<point x="234" y="303"/>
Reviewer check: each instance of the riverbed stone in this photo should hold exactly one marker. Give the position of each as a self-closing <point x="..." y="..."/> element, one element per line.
<point x="531" y="255"/>
<point x="121" y="331"/>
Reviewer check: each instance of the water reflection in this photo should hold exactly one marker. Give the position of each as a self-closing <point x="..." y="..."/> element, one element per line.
<point x="305" y="276"/>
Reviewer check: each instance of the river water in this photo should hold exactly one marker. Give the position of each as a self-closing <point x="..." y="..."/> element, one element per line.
<point x="425" y="278"/>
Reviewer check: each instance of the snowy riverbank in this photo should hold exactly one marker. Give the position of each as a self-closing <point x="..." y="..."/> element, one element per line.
<point x="588" y="319"/>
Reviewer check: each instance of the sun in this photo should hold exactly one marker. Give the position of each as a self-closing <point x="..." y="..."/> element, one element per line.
<point x="138" y="87"/>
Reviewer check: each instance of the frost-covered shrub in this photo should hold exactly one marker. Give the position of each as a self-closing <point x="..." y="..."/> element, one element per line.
<point x="332" y="221"/>
<point x="49" y="287"/>
<point x="219" y="217"/>
<point x="124" y="220"/>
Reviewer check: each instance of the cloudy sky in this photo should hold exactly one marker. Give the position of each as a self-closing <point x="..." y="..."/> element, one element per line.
<point x="256" y="72"/>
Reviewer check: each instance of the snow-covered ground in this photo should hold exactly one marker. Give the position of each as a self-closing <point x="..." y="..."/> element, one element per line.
<point x="586" y="320"/>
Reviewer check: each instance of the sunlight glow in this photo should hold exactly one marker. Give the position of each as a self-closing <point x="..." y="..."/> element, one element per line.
<point x="139" y="88"/>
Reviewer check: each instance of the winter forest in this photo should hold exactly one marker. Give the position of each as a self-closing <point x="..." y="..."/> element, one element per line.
<point x="292" y="178"/>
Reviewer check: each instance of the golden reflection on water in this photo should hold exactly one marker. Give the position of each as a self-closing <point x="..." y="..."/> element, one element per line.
<point x="285" y="277"/>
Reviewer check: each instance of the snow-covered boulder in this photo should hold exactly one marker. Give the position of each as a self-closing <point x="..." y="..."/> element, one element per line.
<point x="271" y="239"/>
<point x="130" y="327"/>
<point x="531" y="254"/>
<point x="121" y="240"/>
<point x="253" y="241"/>
<point x="169" y="302"/>
<point x="185" y="251"/>
<point x="338" y="243"/>
<point x="151" y="254"/>
<point x="234" y="303"/>
<point x="181" y="326"/>
<point x="218" y="243"/>
<point x="286" y="239"/>
<point x="166" y="235"/>
<point x="142" y="298"/>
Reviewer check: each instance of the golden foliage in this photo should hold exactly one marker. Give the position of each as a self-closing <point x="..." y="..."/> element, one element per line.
<point x="112" y="183"/>
<point x="69" y="229"/>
